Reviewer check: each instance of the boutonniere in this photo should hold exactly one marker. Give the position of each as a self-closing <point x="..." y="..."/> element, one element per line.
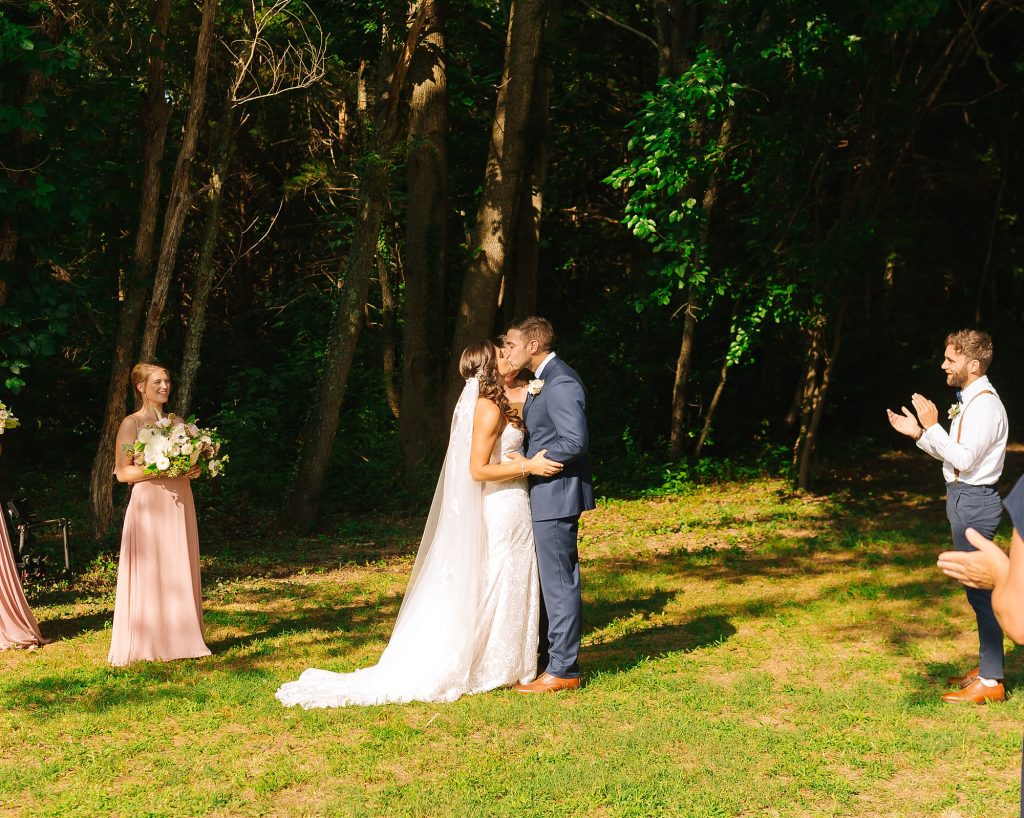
<point x="954" y="410"/>
<point x="534" y="386"/>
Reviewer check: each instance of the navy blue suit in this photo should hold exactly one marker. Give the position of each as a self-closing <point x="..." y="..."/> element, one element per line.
<point x="556" y="420"/>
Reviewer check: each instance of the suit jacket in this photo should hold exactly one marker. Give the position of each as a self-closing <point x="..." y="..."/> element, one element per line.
<point x="556" y="420"/>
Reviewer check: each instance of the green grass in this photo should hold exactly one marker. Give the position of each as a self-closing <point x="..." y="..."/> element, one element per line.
<point x="748" y="651"/>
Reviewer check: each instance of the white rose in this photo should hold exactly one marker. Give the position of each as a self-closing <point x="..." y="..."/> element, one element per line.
<point x="146" y="434"/>
<point x="187" y="448"/>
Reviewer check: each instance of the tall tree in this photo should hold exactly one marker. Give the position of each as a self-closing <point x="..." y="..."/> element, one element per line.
<point x="321" y="425"/>
<point x="426" y="238"/>
<point x="156" y="114"/>
<point x="180" y="198"/>
<point x="521" y="296"/>
<point x="259" y="68"/>
<point x="499" y="202"/>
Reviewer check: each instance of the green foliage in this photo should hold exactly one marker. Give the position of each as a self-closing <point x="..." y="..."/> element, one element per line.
<point x="676" y="156"/>
<point x="843" y="169"/>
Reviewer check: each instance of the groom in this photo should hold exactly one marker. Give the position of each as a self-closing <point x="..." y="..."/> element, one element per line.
<point x="556" y="419"/>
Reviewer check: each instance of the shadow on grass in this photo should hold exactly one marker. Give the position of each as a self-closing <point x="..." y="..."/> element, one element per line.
<point x="104" y="688"/>
<point x="599" y="616"/>
<point x="626" y="652"/>
<point x="68" y="627"/>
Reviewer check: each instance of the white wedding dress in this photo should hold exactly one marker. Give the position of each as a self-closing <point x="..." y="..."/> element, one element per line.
<point x="469" y="621"/>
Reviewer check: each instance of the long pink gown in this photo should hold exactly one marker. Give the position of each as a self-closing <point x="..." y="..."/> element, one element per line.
<point x="158" y="612"/>
<point x="18" y="628"/>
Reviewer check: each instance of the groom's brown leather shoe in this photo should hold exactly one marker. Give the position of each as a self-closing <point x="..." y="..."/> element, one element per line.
<point x="977" y="692"/>
<point x="966" y="679"/>
<point x="546" y="683"/>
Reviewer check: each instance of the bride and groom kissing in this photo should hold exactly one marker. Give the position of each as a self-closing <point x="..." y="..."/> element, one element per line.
<point x="494" y="594"/>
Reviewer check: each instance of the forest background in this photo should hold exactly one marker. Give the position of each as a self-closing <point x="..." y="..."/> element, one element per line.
<point x="752" y="225"/>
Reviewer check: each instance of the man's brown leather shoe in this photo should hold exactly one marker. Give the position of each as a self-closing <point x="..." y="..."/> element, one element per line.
<point x="977" y="692"/>
<point x="546" y="683"/>
<point x="966" y="679"/>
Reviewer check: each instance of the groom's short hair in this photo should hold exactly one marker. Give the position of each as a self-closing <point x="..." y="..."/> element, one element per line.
<point x="535" y="328"/>
<point x="975" y="344"/>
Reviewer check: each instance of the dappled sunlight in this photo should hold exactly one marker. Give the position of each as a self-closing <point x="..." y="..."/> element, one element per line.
<point x="814" y="632"/>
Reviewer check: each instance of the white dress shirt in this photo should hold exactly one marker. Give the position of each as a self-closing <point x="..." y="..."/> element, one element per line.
<point x="982" y="448"/>
<point x="543" y="364"/>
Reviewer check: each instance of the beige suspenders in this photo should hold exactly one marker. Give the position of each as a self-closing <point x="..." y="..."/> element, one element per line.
<point x="960" y="428"/>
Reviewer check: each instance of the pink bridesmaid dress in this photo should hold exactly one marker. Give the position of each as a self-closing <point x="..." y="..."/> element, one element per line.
<point x="18" y="628"/>
<point x="158" y="612"/>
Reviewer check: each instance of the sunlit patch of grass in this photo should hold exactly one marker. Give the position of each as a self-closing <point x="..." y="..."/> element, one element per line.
<point x="748" y="650"/>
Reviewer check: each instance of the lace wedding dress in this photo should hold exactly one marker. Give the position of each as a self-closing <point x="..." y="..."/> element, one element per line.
<point x="471" y="613"/>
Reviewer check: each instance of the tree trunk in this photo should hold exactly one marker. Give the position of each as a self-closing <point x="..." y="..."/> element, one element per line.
<point x="389" y="331"/>
<point x="708" y="203"/>
<point x="819" y="394"/>
<point x="321" y="427"/>
<point x="815" y="344"/>
<point x="678" y="22"/>
<point x="676" y="435"/>
<point x="420" y="427"/>
<point x="190" y="357"/>
<point x="723" y="374"/>
<point x="180" y="196"/>
<point x="156" y="114"/>
<point x="499" y="202"/>
<point x="522" y="300"/>
<point x="706" y="430"/>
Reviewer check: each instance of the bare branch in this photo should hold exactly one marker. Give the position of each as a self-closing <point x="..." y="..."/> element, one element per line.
<point x="622" y="25"/>
<point x="265" y="69"/>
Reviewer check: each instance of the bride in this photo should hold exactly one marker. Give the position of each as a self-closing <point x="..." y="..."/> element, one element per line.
<point x="470" y="616"/>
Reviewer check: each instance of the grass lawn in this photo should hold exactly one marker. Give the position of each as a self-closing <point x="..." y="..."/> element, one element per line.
<point x="748" y="651"/>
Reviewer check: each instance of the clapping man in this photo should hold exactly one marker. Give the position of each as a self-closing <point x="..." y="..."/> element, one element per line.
<point x="972" y="454"/>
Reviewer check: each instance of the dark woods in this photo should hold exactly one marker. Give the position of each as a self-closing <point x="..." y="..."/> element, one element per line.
<point x="752" y="224"/>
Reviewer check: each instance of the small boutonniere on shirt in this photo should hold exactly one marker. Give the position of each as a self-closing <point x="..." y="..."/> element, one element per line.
<point x="954" y="410"/>
<point x="534" y="386"/>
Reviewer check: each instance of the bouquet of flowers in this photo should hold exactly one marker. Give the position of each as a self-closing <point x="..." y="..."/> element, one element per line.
<point x="7" y="419"/>
<point x="172" y="446"/>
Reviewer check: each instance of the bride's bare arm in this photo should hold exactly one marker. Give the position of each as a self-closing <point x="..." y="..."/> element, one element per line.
<point x="487" y="425"/>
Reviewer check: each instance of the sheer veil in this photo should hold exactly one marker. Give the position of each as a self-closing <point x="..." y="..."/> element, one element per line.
<point x="445" y="585"/>
<point x="430" y="654"/>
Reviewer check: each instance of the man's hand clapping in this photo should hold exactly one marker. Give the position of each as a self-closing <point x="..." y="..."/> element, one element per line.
<point x="927" y="412"/>
<point x="907" y="424"/>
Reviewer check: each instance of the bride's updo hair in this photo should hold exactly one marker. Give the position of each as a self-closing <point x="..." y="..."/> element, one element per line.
<point x="480" y="360"/>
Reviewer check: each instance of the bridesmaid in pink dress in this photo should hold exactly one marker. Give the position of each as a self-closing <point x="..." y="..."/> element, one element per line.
<point x="18" y="628"/>
<point x="158" y="612"/>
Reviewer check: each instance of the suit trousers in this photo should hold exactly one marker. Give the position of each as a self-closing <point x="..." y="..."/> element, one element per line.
<point x="561" y="608"/>
<point x="978" y="507"/>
